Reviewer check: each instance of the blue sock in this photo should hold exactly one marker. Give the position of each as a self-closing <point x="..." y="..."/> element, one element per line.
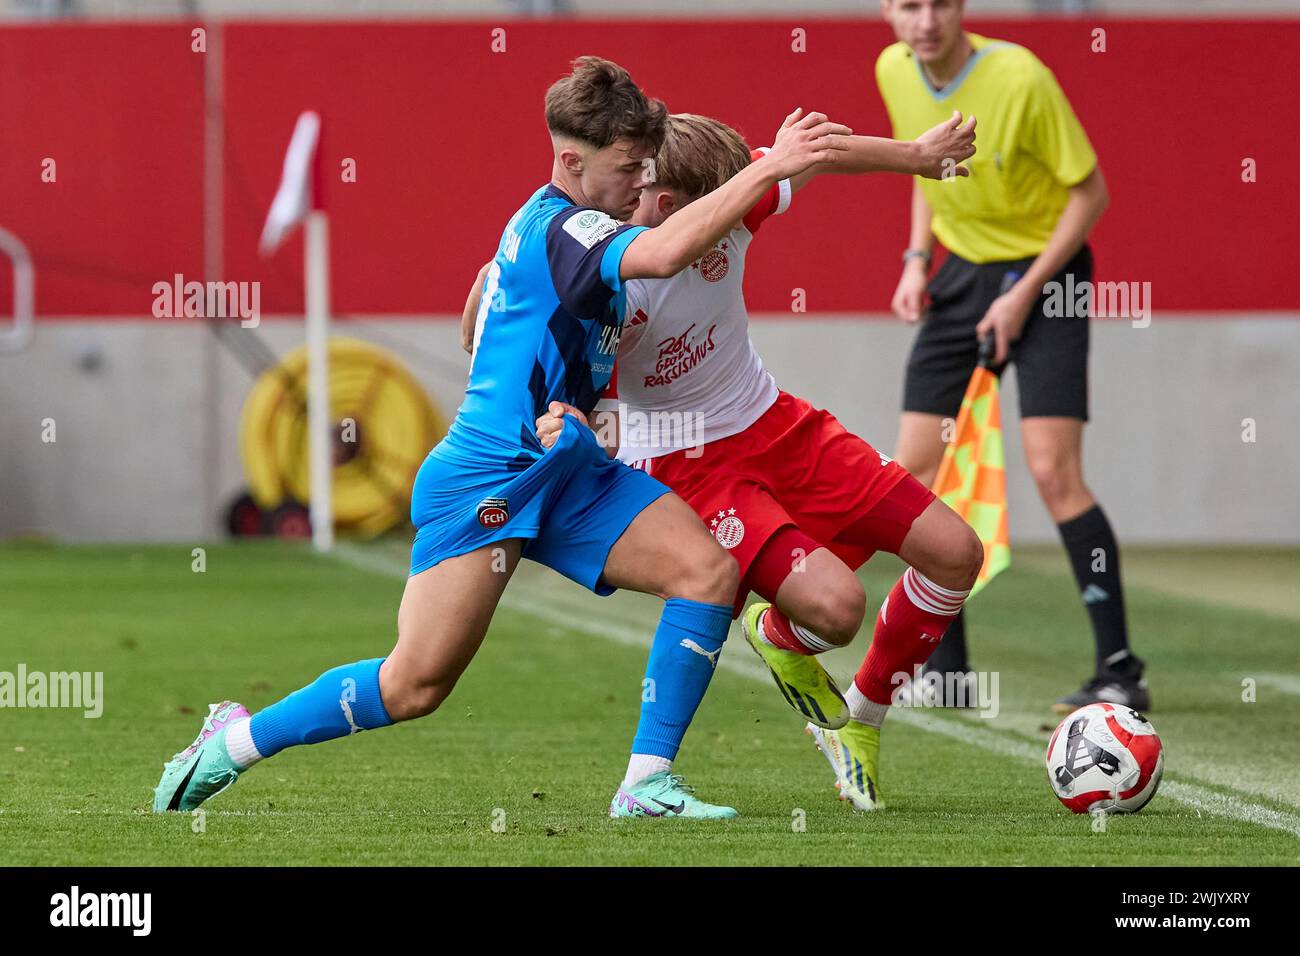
<point x="682" y="659"/>
<point x="340" y="702"/>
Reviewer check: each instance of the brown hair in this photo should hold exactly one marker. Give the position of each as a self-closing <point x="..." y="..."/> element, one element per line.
<point x="698" y="155"/>
<point x="598" y="104"/>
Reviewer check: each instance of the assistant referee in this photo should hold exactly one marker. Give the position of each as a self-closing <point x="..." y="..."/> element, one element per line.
<point x="1020" y="221"/>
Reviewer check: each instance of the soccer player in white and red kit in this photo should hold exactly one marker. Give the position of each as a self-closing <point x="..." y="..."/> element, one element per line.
<point x="797" y="500"/>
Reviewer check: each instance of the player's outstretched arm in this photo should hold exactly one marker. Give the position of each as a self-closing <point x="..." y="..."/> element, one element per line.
<point x="469" y="317"/>
<point x="935" y="154"/>
<point x="691" y="232"/>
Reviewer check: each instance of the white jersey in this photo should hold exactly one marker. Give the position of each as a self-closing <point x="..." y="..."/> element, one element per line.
<point x="687" y="372"/>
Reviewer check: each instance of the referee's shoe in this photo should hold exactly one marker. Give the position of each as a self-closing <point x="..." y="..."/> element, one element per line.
<point x="1119" y="681"/>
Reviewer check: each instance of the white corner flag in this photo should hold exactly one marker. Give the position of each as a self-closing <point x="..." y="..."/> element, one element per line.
<point x="293" y="204"/>
<point x="293" y="199"/>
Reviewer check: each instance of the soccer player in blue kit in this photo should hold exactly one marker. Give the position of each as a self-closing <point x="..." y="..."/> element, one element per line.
<point x="489" y="494"/>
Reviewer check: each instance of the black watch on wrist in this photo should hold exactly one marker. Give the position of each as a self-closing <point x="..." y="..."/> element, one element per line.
<point x="921" y="254"/>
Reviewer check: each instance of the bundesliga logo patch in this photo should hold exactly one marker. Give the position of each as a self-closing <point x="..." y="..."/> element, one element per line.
<point x="493" y="512"/>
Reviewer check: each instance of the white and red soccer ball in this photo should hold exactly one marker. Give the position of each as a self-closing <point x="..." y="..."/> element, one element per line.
<point x="1105" y="757"/>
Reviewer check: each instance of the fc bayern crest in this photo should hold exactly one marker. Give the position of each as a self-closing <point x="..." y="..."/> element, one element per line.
<point x="714" y="266"/>
<point x="728" y="529"/>
<point x="493" y="512"/>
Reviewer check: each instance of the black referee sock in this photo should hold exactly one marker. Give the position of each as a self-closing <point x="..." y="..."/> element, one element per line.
<point x="950" y="653"/>
<point x="1094" y="555"/>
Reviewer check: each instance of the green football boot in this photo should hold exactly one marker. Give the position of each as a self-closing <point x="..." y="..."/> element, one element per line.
<point x="204" y="768"/>
<point x="663" y="794"/>
<point x="802" y="680"/>
<point x="854" y="755"/>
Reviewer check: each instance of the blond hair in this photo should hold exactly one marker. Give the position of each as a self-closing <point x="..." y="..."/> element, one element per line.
<point x="698" y="155"/>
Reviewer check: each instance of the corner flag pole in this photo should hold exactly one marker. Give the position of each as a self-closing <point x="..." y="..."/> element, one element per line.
<point x="20" y="336"/>
<point x="294" y="203"/>
<point x="316" y="270"/>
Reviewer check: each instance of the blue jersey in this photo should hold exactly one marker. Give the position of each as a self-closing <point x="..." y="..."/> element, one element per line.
<point x="547" y="330"/>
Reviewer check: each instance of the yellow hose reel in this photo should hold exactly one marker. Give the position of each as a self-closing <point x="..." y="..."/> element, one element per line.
<point x="383" y="425"/>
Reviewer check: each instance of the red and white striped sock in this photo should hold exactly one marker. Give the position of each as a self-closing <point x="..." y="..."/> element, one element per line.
<point x="778" y="630"/>
<point x="911" y="622"/>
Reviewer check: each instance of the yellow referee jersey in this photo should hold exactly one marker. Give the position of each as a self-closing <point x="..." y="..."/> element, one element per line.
<point x="1030" y="146"/>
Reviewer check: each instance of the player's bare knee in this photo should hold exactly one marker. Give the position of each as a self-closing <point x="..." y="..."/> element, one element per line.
<point x="723" y="578"/>
<point x="424" y="699"/>
<point x="961" y="565"/>
<point x="708" y="575"/>
<point x="415" y="697"/>
<point x="837" y="614"/>
<point x="972" y="554"/>
<point x="956" y="564"/>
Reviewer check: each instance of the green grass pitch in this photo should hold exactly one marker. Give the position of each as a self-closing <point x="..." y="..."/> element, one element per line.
<point x="519" y="765"/>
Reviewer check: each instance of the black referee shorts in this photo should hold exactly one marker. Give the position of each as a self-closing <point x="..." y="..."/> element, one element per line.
<point x="1051" y="356"/>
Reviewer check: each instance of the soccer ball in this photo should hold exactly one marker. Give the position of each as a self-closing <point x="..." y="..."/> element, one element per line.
<point x="1105" y="757"/>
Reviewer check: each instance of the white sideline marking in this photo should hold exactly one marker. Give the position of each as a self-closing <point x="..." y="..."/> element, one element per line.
<point x="554" y="608"/>
<point x="1286" y="683"/>
<point x="1199" y="798"/>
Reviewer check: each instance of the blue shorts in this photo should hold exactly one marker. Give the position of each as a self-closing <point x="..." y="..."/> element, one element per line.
<point x="570" y="506"/>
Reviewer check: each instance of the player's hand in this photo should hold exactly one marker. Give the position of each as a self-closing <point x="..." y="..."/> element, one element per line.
<point x="944" y="147"/>
<point x="1005" y="320"/>
<point x="909" y="298"/>
<point x="803" y="141"/>
<point x="550" y="425"/>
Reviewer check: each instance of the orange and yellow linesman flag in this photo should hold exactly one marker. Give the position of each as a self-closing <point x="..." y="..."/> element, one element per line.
<point x="972" y="476"/>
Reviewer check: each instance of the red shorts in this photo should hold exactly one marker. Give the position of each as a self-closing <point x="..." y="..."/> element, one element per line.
<point x="797" y="465"/>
